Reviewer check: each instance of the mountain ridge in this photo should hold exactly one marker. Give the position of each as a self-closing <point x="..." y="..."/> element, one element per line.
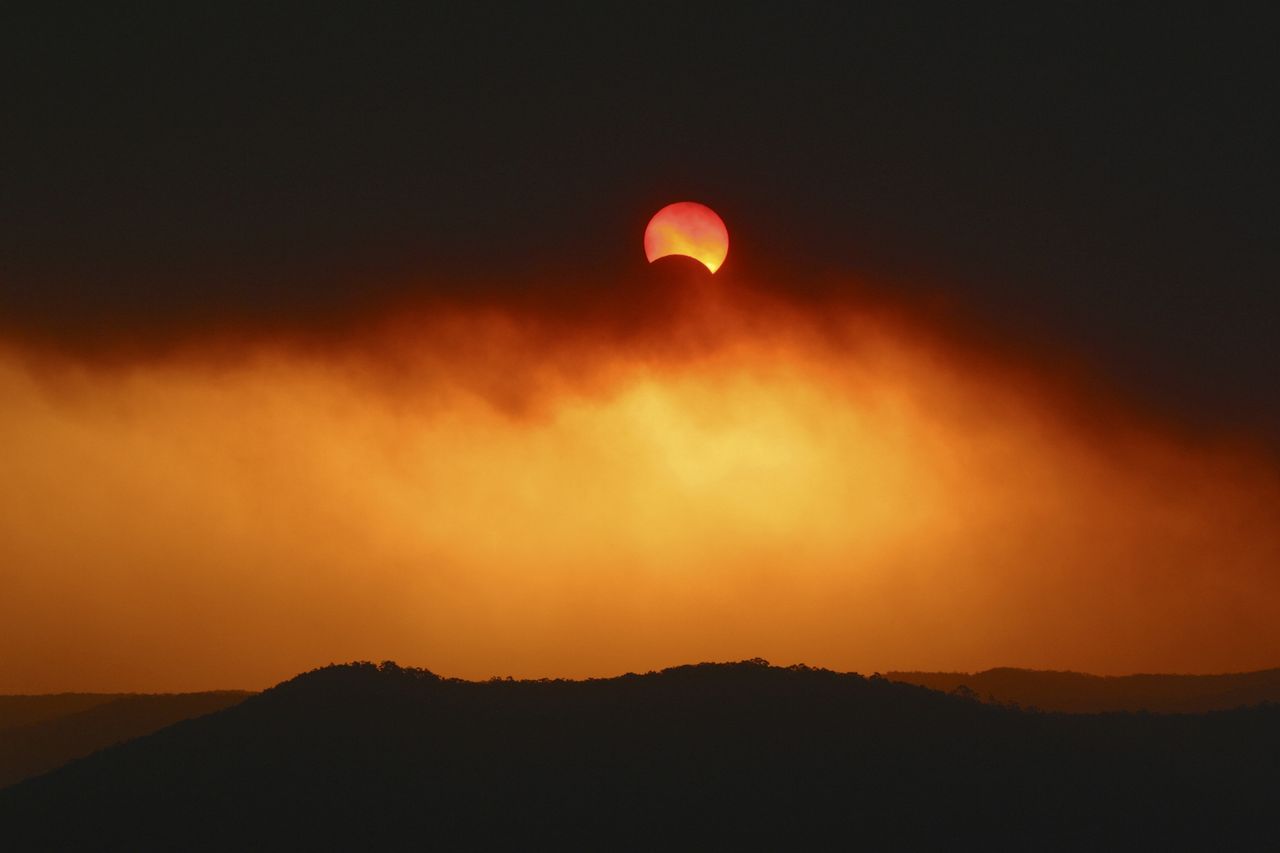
<point x="37" y="746"/>
<point x="745" y="755"/>
<point x="1079" y="692"/>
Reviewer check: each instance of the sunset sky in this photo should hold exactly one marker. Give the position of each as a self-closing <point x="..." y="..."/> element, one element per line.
<point x="334" y="338"/>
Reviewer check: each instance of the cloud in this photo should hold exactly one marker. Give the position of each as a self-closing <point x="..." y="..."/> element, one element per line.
<point x="553" y="485"/>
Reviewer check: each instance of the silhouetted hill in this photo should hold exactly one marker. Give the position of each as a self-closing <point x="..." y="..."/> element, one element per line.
<point x="710" y="756"/>
<point x="1077" y="692"/>
<point x="74" y="725"/>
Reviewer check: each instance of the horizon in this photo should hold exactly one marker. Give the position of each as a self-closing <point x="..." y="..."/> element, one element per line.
<point x="887" y="673"/>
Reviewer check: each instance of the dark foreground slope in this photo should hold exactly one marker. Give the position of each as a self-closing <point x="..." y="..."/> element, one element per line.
<point x="739" y="755"/>
<point x="1080" y="693"/>
<point x="69" y="726"/>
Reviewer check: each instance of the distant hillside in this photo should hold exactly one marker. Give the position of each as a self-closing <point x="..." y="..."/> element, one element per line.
<point x="24" y="710"/>
<point x="728" y="756"/>
<point x="50" y="733"/>
<point x="1080" y="693"/>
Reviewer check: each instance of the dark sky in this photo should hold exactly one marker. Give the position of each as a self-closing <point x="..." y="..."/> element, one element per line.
<point x="1106" y="181"/>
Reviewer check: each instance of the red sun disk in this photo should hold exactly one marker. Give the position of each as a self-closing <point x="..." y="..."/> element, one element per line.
<point x="690" y="229"/>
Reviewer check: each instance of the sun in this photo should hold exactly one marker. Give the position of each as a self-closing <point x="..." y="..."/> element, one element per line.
<point x="690" y="229"/>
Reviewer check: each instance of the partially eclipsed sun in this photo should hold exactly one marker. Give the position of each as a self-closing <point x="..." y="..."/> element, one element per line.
<point x="690" y="229"/>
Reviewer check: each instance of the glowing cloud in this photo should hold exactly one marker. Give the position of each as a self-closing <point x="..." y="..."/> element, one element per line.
<point x="849" y="496"/>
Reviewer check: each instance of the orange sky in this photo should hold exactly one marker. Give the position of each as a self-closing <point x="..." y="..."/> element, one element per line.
<point x="456" y="489"/>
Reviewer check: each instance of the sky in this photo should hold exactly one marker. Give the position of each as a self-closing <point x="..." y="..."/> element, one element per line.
<point x="330" y="336"/>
